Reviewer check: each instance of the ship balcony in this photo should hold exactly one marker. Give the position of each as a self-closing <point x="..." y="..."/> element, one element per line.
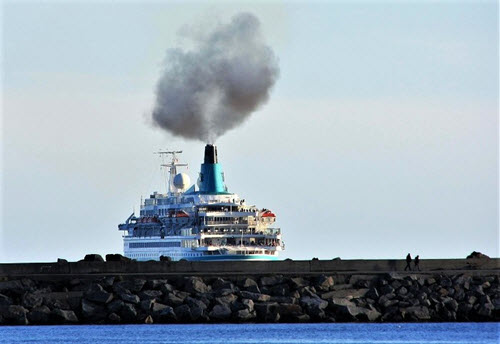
<point x="232" y="231"/>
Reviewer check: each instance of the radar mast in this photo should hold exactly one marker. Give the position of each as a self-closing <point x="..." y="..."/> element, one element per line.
<point x="172" y="169"/>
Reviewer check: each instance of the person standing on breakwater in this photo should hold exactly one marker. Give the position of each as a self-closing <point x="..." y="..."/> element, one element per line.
<point x="408" y="262"/>
<point x="417" y="262"/>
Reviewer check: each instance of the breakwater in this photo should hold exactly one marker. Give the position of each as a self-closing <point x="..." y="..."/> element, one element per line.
<point x="287" y="291"/>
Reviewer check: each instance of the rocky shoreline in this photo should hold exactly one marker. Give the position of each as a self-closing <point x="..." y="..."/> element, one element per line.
<point x="382" y="297"/>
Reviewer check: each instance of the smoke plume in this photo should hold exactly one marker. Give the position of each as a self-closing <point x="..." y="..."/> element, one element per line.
<point x="214" y="87"/>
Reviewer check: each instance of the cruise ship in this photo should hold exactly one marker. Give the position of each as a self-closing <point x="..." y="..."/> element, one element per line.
<point x="200" y="222"/>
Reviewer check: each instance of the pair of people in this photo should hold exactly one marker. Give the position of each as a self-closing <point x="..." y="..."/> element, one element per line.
<point x="416" y="262"/>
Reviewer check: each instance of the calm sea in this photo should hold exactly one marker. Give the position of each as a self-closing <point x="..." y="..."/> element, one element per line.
<point x="257" y="333"/>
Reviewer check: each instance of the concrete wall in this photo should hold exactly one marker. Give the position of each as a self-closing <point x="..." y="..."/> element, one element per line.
<point x="250" y="267"/>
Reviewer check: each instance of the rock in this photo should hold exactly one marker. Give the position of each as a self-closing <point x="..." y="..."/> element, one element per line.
<point x="145" y="305"/>
<point x="195" y="285"/>
<point x="267" y="311"/>
<point x="150" y="294"/>
<point x="113" y="317"/>
<point x="283" y="299"/>
<point x="486" y="310"/>
<point x="248" y="282"/>
<point x="183" y="313"/>
<point x="64" y="317"/>
<point x="128" y="313"/>
<point x="148" y="320"/>
<point x="15" y="287"/>
<point x="116" y="258"/>
<point x="314" y="306"/>
<point x="254" y="289"/>
<point x="167" y="315"/>
<point x="172" y="300"/>
<point x="249" y="304"/>
<point x="345" y="293"/>
<point x="324" y="283"/>
<point x="165" y="259"/>
<point x="157" y="308"/>
<point x="97" y="294"/>
<point x="280" y="290"/>
<point x="288" y="310"/>
<point x="61" y="261"/>
<point x="417" y="312"/>
<point x="93" y="258"/>
<point x="92" y="311"/>
<point x="220" y="312"/>
<point x="270" y="280"/>
<point x="155" y="284"/>
<point x="478" y="255"/>
<point x="31" y="300"/>
<point x="192" y="302"/>
<point x="39" y="315"/>
<point x="226" y="300"/>
<point x="130" y="298"/>
<point x="254" y="296"/>
<point x="14" y="314"/>
<point x="166" y="288"/>
<point x="115" y="306"/>
<point x="298" y="282"/>
<point x="135" y="285"/>
<point x="244" y="315"/>
<point x="5" y="300"/>
<point x="386" y="289"/>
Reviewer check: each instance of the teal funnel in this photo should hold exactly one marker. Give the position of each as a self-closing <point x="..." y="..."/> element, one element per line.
<point x="211" y="175"/>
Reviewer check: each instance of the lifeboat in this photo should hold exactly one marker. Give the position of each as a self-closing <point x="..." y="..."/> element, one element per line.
<point x="181" y="213"/>
<point x="268" y="213"/>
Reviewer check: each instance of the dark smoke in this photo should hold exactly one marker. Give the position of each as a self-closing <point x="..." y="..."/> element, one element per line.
<point x="214" y="87"/>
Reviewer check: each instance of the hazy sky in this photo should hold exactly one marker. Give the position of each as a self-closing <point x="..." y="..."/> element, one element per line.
<point x="380" y="137"/>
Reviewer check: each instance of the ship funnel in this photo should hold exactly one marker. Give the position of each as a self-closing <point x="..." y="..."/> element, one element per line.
<point x="211" y="176"/>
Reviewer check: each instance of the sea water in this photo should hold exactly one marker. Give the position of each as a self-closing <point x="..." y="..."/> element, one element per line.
<point x="257" y="333"/>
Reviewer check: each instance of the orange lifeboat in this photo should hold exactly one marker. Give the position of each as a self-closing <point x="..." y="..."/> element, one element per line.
<point x="268" y="213"/>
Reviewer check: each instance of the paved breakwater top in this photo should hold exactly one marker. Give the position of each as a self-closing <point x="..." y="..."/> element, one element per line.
<point x="285" y="267"/>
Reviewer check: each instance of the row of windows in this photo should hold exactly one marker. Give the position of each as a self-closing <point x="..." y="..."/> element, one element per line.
<point x="154" y="244"/>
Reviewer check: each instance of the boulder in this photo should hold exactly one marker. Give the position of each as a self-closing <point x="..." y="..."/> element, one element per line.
<point x="128" y="313"/>
<point x="39" y="315"/>
<point x="324" y="283"/>
<point x="31" y="300"/>
<point x="93" y="258"/>
<point x="60" y="316"/>
<point x="148" y="320"/>
<point x="97" y="294"/>
<point x="244" y="315"/>
<point x="14" y="287"/>
<point x="183" y="313"/>
<point x="92" y="311"/>
<point x="270" y="280"/>
<point x="116" y="258"/>
<point x="167" y="315"/>
<point x="115" y="306"/>
<point x="14" y="314"/>
<point x="267" y="311"/>
<point x="5" y="300"/>
<point x="114" y="318"/>
<point x="298" y="282"/>
<point x="134" y="285"/>
<point x="195" y="285"/>
<point x="249" y="304"/>
<point x="226" y="300"/>
<point x="254" y="296"/>
<point x="150" y="294"/>
<point x="146" y="305"/>
<point x="172" y="300"/>
<point x="247" y="282"/>
<point x="417" y="312"/>
<point x="220" y="312"/>
<point x="130" y="298"/>
<point x="345" y="293"/>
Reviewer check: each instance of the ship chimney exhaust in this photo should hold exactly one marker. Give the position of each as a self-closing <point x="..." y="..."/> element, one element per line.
<point x="210" y="154"/>
<point x="211" y="176"/>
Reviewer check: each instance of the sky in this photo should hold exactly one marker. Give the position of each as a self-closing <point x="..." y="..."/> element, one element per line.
<point x="380" y="136"/>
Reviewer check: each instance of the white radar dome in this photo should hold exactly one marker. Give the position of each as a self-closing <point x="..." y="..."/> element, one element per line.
<point x="181" y="181"/>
